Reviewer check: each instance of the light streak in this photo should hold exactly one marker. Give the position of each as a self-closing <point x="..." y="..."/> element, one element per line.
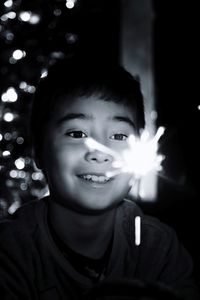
<point x="138" y="158"/>
<point x="94" y="145"/>
<point x="137" y="231"/>
<point x="14" y="206"/>
<point x="8" y="117"/>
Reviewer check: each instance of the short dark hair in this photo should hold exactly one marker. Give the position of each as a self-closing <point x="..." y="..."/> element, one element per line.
<point x="74" y="78"/>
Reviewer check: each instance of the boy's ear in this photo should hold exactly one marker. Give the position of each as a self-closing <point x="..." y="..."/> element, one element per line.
<point x="38" y="161"/>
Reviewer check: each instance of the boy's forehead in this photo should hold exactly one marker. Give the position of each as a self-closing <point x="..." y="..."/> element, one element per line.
<point x="90" y="107"/>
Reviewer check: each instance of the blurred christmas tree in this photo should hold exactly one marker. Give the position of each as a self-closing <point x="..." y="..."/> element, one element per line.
<point x="33" y="35"/>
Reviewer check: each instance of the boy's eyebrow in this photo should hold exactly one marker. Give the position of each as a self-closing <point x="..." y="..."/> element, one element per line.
<point x="73" y="116"/>
<point x="124" y="119"/>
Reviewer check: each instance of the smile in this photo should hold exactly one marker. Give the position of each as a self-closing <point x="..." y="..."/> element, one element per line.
<point x="95" y="178"/>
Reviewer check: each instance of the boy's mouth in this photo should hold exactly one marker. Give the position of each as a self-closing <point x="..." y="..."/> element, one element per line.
<point x="95" y="178"/>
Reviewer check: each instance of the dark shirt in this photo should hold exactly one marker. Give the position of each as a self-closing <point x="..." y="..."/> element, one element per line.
<point x="33" y="264"/>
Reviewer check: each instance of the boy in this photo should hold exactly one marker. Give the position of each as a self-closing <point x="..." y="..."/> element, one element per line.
<point x="83" y="233"/>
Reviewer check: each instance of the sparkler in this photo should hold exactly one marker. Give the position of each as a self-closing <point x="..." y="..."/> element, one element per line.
<point x="138" y="158"/>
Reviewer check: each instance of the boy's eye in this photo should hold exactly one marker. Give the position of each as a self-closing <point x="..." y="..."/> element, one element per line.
<point x="76" y="134"/>
<point x="119" y="137"/>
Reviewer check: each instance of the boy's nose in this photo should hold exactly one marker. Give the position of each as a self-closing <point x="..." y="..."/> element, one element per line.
<point x="98" y="157"/>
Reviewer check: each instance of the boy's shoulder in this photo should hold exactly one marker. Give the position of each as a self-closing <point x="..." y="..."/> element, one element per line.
<point x="22" y="222"/>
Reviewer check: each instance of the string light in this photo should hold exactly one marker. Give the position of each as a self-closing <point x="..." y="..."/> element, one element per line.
<point x="8" y="3"/>
<point x="29" y="17"/>
<point x="27" y="87"/>
<point x="25" y="16"/>
<point x="70" y="4"/>
<point x="10" y="15"/>
<point x="37" y="175"/>
<point x="13" y="173"/>
<point x="34" y="19"/>
<point x="20" y="163"/>
<point x="10" y="95"/>
<point x="8" y="117"/>
<point x="20" y="140"/>
<point x="16" y="28"/>
<point x="18" y="54"/>
<point x="6" y="153"/>
<point x="23" y="186"/>
<point x="7" y="136"/>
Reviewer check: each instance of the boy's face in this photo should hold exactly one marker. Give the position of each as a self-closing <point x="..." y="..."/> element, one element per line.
<point x="77" y="175"/>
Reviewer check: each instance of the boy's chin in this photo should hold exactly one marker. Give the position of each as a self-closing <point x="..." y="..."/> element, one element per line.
<point x="95" y="208"/>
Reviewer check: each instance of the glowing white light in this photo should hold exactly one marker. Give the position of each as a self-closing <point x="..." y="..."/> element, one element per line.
<point x="37" y="176"/>
<point x="8" y="3"/>
<point x="10" y="95"/>
<point x="13" y="207"/>
<point x="34" y="19"/>
<point x="26" y="87"/>
<point x="18" y="54"/>
<point x="8" y="117"/>
<point x="25" y="16"/>
<point x="141" y="155"/>
<point x="4" y="97"/>
<point x="6" y="153"/>
<point x="198" y="107"/>
<point x="13" y="173"/>
<point x="20" y="163"/>
<point x="1" y="137"/>
<point x="139" y="158"/>
<point x="31" y="89"/>
<point x="9" y="15"/>
<point x="4" y="18"/>
<point x="44" y="73"/>
<point x="70" y="4"/>
<point x="21" y="174"/>
<point x="137" y="231"/>
<point x="22" y="85"/>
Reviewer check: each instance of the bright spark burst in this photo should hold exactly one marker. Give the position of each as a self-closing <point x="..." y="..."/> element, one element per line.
<point x="139" y="158"/>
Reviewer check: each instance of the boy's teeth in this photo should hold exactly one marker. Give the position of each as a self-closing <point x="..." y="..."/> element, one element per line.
<point x="95" y="178"/>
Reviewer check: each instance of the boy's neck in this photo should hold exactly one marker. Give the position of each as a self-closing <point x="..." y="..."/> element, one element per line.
<point x="86" y="234"/>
